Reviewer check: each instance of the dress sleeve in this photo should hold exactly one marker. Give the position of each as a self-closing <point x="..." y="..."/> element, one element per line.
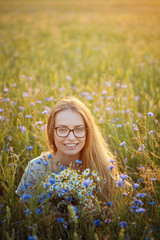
<point x="34" y="171"/>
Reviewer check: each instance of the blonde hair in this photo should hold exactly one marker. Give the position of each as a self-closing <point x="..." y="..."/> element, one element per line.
<point x="95" y="155"/>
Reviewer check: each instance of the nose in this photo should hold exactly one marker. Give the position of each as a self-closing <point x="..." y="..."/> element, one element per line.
<point x="71" y="136"/>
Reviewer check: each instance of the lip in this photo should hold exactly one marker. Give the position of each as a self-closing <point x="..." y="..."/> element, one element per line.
<point x="70" y="144"/>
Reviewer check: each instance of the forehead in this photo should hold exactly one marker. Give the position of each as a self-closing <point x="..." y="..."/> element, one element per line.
<point x="69" y="118"/>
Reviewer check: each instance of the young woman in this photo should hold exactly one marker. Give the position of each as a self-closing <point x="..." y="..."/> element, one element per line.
<point x="72" y="135"/>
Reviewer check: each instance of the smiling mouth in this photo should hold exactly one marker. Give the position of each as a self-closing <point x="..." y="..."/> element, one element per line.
<point x="71" y="144"/>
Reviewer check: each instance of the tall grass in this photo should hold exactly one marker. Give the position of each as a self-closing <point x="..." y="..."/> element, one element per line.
<point x="107" y="54"/>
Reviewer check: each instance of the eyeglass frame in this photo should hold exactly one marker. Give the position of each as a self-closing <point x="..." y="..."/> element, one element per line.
<point x="70" y="130"/>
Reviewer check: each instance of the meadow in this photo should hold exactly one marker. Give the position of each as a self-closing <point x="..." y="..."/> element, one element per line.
<point x="107" y="54"/>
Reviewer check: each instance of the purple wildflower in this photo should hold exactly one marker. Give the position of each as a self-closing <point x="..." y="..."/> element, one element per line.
<point x="123" y="143"/>
<point x="150" y="114"/>
<point x="135" y="185"/>
<point x="123" y="224"/>
<point x="123" y="176"/>
<point x="141" y="195"/>
<point x="140" y="210"/>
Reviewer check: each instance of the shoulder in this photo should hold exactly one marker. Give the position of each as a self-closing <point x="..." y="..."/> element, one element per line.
<point x="41" y="161"/>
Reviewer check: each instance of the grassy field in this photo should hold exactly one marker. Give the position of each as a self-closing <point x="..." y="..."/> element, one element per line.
<point x="106" y="53"/>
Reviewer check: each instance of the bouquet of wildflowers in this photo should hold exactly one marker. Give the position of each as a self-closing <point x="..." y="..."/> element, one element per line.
<point x="69" y="186"/>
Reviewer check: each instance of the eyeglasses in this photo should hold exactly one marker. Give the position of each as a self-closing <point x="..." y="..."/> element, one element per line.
<point x="78" y="132"/>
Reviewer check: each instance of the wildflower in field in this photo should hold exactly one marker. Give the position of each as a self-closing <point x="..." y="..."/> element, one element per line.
<point x="28" y="116"/>
<point x="135" y="185"/>
<point x="32" y="103"/>
<point x="111" y="167"/>
<point x="1" y="110"/>
<point x="140" y="210"/>
<point x="25" y="94"/>
<point x="59" y="220"/>
<point x="5" y="99"/>
<point x="108" y="220"/>
<point x="123" y="176"/>
<point x="150" y="132"/>
<point x="152" y="203"/>
<point x="119" y="125"/>
<point x="123" y="143"/>
<point x="39" y="211"/>
<point x="33" y="237"/>
<point x="150" y="114"/>
<point x="2" y="118"/>
<point x="29" y="148"/>
<point x="38" y="101"/>
<point x="109" y="204"/>
<point x="45" y="112"/>
<point x="27" y="211"/>
<point x="136" y="98"/>
<point x="39" y="122"/>
<point x="141" y="195"/>
<point x="123" y="224"/>
<point x="140" y="179"/>
<point x="153" y="179"/>
<point x="119" y="183"/>
<point x="97" y="222"/>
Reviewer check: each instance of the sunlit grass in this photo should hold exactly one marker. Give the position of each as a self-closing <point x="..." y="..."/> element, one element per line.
<point x="107" y="54"/>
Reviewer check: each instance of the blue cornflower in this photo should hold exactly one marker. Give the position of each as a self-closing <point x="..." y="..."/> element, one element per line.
<point x="123" y="143"/>
<point x="22" y="128"/>
<point x="135" y="185"/>
<point x="120" y="183"/>
<point x="123" y="176"/>
<point x="97" y="222"/>
<point x="111" y="167"/>
<point x="45" y="112"/>
<point x="153" y="179"/>
<point x="141" y="195"/>
<point x="25" y="196"/>
<point x="27" y="211"/>
<point x="140" y="179"/>
<point x="32" y="237"/>
<point x="59" y="220"/>
<point x="52" y="180"/>
<point x="28" y="116"/>
<point x="150" y="114"/>
<point x="78" y="161"/>
<point x="29" y="148"/>
<point x="108" y="220"/>
<point x="140" y="210"/>
<point x="151" y="132"/>
<point x="75" y="209"/>
<point x="152" y="203"/>
<point x="62" y="168"/>
<point x="109" y="204"/>
<point x="1" y="110"/>
<point x="123" y="224"/>
<point x="49" y="156"/>
<point x="39" y="211"/>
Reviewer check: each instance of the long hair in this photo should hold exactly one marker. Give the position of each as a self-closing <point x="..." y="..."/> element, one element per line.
<point x="95" y="155"/>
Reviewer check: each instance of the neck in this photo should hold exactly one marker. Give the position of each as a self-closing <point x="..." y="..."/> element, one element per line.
<point x="67" y="159"/>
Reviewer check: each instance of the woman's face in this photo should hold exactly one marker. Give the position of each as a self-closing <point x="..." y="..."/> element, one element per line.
<point x="69" y="145"/>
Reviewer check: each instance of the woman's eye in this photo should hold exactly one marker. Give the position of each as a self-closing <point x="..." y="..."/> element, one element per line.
<point x="79" y="129"/>
<point x="62" y="130"/>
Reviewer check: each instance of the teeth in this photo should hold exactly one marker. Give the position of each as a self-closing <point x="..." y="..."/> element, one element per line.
<point x="71" y="144"/>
